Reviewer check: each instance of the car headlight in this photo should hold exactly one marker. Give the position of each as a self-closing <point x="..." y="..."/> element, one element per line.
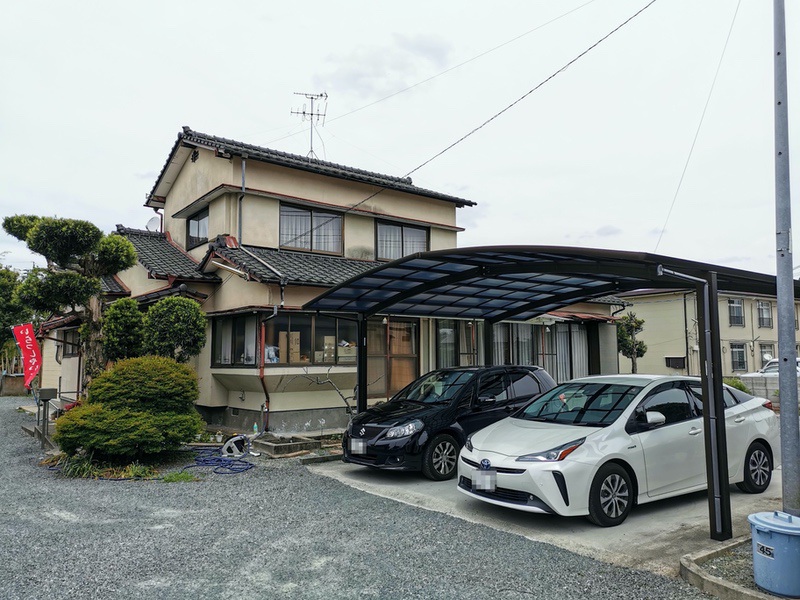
<point x="405" y="430"/>
<point x="554" y="454"/>
<point x="468" y="443"/>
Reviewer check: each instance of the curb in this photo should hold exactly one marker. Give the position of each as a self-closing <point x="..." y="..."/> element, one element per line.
<point x="692" y="572"/>
<point x="312" y="459"/>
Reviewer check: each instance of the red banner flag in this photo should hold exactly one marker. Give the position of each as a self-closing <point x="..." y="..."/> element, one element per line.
<point x="31" y="355"/>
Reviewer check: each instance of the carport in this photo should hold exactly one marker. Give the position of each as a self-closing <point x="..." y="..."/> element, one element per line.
<point x="518" y="283"/>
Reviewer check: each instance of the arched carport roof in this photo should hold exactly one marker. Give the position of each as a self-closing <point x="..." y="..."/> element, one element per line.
<point x="500" y="283"/>
<point x="516" y="283"/>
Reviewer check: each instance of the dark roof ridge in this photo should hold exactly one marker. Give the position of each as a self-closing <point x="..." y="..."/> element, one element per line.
<point x="122" y="230"/>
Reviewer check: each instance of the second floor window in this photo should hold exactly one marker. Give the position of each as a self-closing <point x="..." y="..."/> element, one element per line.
<point x="764" y="313"/>
<point x="197" y="229"/>
<point x="736" y="312"/>
<point x="305" y="229"/>
<point x="396" y="241"/>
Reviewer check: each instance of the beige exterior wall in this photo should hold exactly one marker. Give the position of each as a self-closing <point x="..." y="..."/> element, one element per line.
<point x="670" y="327"/>
<point x="51" y="370"/>
<point x="138" y="282"/>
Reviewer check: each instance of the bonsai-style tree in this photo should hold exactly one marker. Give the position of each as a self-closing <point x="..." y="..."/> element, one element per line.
<point x="175" y="327"/>
<point x="77" y="255"/>
<point x="628" y="326"/>
<point x="12" y="310"/>
<point x="123" y="330"/>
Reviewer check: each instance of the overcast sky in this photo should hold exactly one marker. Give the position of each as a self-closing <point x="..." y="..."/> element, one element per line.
<point x="95" y="93"/>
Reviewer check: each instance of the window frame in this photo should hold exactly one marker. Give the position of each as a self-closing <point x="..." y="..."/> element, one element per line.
<point x="736" y="348"/>
<point x="733" y="303"/>
<point x="198" y="217"/>
<point x="71" y="343"/>
<point x="311" y="213"/>
<point x="764" y="320"/>
<point x="402" y="227"/>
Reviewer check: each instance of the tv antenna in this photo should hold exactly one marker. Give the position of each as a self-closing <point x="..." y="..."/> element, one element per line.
<point x="311" y="115"/>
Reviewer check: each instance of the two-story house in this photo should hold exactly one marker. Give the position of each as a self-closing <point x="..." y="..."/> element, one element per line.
<point x="253" y="234"/>
<point x="748" y="331"/>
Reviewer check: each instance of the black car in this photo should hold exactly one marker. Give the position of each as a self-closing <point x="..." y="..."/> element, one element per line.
<point x="425" y="424"/>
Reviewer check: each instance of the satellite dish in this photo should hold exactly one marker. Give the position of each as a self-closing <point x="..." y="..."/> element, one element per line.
<point x="154" y="224"/>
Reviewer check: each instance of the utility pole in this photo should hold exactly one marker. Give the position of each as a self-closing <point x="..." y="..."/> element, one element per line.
<point x="311" y="115"/>
<point x="787" y="372"/>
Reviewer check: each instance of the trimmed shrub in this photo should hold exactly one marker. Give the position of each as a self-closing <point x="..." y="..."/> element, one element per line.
<point x="151" y="383"/>
<point x="122" y="330"/>
<point x="140" y="408"/>
<point x="121" y="434"/>
<point x="175" y="327"/>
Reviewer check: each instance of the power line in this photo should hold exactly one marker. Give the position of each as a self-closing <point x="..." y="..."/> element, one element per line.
<point x="453" y="68"/>
<point x="448" y="70"/>
<point x="699" y="126"/>
<point x="492" y="118"/>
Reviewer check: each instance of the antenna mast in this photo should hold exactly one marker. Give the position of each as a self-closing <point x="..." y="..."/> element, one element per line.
<point x="311" y="115"/>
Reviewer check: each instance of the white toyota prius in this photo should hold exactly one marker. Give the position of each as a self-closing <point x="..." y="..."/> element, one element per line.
<point x="596" y="446"/>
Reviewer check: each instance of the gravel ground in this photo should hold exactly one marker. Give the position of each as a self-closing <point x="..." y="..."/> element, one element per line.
<point x="275" y="531"/>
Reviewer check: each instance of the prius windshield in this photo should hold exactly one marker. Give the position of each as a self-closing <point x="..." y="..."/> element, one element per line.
<point x="576" y="403"/>
<point x="436" y="387"/>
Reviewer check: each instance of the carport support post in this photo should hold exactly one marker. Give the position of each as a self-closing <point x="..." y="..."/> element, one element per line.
<point x="719" y="500"/>
<point x="361" y="363"/>
<point x="488" y="343"/>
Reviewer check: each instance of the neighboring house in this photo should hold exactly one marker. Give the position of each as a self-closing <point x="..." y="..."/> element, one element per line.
<point x="748" y="332"/>
<point x="253" y="234"/>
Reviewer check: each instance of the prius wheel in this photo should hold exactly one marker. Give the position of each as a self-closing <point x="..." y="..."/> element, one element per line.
<point x="611" y="496"/>
<point x="757" y="469"/>
<point x="440" y="458"/>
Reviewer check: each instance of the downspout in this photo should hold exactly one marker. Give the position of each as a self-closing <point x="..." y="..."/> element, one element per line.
<point x="241" y="197"/>
<point x="262" y="334"/>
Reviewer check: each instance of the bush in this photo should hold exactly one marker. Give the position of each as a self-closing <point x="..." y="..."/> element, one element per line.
<point x="737" y="383"/>
<point x="122" y="330"/>
<point x="175" y="327"/>
<point x="152" y="383"/>
<point x="140" y="408"/>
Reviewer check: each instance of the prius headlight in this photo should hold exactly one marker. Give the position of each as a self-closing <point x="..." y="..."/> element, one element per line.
<point x="468" y="443"/>
<point x="554" y="454"/>
<point x="405" y="430"/>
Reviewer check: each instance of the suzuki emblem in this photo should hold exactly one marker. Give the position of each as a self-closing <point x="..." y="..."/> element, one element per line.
<point x="363" y="431"/>
<point x="485" y="464"/>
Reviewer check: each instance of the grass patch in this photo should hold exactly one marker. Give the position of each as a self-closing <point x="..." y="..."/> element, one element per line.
<point x="84" y="466"/>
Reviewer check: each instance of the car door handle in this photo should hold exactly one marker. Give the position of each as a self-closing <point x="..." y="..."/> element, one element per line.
<point x="695" y="431"/>
<point x="739" y="419"/>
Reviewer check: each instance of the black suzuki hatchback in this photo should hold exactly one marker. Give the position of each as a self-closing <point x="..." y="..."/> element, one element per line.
<point x="425" y="424"/>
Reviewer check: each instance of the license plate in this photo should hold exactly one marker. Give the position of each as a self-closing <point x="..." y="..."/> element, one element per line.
<point x="485" y="480"/>
<point x="358" y="446"/>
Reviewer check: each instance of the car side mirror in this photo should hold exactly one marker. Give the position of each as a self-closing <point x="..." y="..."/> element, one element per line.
<point x="655" y="418"/>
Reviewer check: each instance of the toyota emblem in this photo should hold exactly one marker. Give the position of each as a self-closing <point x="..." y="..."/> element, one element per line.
<point x="363" y="431"/>
<point x="485" y="464"/>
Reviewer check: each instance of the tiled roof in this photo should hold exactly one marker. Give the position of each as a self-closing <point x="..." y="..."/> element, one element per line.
<point x="226" y="146"/>
<point x="162" y="258"/>
<point x="112" y="286"/>
<point x="298" y="268"/>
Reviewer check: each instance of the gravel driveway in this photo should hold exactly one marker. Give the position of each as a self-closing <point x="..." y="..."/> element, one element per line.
<point x="275" y="531"/>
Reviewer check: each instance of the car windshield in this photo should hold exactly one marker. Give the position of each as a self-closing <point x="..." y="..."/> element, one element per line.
<point x="581" y="403"/>
<point x="436" y="387"/>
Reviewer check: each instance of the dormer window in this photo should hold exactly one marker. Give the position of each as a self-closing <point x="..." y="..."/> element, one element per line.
<point x="197" y="229"/>
<point x="305" y="229"/>
<point x="395" y="241"/>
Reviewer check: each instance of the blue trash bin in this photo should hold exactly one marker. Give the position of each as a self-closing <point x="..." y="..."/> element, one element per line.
<point x="776" y="552"/>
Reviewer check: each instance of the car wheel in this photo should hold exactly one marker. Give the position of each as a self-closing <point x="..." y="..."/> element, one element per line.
<point x="611" y="496"/>
<point x="757" y="469"/>
<point x="440" y="458"/>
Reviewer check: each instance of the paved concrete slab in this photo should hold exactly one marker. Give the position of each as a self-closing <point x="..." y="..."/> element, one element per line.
<point x="654" y="537"/>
